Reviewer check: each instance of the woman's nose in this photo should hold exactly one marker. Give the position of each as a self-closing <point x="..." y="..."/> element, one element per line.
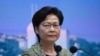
<point x="52" y="28"/>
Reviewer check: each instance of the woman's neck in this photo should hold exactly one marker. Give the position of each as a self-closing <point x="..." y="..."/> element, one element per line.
<point x="48" y="47"/>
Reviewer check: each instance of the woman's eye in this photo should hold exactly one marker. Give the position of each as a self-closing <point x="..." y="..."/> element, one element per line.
<point x="46" y="25"/>
<point x="56" y="25"/>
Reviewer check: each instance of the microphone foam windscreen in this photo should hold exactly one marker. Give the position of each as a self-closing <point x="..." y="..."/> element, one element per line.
<point x="73" y="49"/>
<point x="58" y="48"/>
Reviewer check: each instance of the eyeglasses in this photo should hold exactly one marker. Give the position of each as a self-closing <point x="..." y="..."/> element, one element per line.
<point x="49" y="25"/>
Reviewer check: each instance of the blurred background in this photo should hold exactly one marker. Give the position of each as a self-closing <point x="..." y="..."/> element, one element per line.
<point x="81" y="26"/>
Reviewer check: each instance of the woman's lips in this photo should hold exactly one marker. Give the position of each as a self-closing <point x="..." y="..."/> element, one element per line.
<point x="51" y="35"/>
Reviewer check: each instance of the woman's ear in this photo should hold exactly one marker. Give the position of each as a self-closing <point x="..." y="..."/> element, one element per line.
<point x="36" y="30"/>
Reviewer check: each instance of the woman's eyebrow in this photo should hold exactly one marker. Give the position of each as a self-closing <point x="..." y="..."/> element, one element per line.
<point x="51" y="22"/>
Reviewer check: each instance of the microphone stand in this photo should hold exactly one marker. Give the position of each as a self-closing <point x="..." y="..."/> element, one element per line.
<point x="74" y="49"/>
<point x="86" y="52"/>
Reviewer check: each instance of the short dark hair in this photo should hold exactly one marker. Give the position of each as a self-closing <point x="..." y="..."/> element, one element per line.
<point x="41" y="14"/>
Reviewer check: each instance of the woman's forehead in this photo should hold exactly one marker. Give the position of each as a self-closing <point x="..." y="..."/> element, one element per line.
<point x="51" y="18"/>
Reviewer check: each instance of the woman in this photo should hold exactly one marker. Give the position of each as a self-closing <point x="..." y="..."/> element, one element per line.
<point x="47" y="22"/>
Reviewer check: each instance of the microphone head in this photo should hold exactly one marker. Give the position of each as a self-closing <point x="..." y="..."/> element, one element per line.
<point x="73" y="49"/>
<point x="58" y="48"/>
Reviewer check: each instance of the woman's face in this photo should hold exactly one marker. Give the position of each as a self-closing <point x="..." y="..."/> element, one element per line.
<point x="49" y="29"/>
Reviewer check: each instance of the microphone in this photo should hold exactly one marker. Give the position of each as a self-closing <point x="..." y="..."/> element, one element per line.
<point x="74" y="49"/>
<point x="58" y="49"/>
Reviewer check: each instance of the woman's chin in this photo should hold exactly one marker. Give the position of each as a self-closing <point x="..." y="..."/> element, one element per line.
<point x="52" y="40"/>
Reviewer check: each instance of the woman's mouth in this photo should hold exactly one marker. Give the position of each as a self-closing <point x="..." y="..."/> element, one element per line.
<point x="51" y="36"/>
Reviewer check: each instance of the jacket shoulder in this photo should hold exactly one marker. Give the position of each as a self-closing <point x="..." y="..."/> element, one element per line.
<point x="65" y="52"/>
<point x="31" y="51"/>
